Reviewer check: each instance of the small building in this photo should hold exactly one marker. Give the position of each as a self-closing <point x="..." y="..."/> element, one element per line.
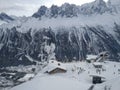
<point x="55" y="67"/>
<point x="97" y="79"/>
<point x="26" y="77"/>
<point x="102" y="56"/>
<point x="91" y="58"/>
<point x="97" y="65"/>
<point x="57" y="70"/>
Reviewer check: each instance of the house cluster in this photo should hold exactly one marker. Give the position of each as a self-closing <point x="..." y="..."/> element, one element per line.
<point x="54" y="67"/>
<point x="96" y="61"/>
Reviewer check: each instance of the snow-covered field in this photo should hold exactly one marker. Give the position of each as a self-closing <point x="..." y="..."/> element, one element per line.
<point x="77" y="77"/>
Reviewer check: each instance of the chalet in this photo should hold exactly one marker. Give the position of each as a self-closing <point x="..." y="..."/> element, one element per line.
<point x="54" y="67"/>
<point x="91" y="58"/>
<point x="97" y="65"/>
<point x="97" y="79"/>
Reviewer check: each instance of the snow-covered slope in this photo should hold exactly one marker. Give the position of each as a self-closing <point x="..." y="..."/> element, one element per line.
<point x="77" y="77"/>
<point x="112" y="84"/>
<point x="52" y="83"/>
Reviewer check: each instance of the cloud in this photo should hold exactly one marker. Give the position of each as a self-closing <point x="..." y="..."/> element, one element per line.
<point x="19" y="7"/>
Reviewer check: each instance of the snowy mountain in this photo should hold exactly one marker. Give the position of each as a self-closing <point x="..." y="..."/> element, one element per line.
<point x="114" y="2"/>
<point x="115" y="5"/>
<point x="66" y="10"/>
<point x="65" y="33"/>
<point x="71" y="10"/>
<point x="4" y="18"/>
<point x="96" y="7"/>
<point x="75" y="31"/>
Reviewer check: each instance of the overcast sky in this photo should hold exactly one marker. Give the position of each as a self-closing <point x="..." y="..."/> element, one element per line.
<point x="28" y="7"/>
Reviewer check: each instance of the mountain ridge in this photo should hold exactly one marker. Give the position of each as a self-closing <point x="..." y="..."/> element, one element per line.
<point x="4" y="18"/>
<point x="71" y="10"/>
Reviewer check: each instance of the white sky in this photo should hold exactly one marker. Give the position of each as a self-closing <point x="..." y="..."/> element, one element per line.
<point x="28" y="7"/>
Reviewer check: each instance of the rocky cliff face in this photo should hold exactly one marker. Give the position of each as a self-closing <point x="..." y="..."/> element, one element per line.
<point x="71" y="10"/>
<point x="5" y="17"/>
<point x="73" y="44"/>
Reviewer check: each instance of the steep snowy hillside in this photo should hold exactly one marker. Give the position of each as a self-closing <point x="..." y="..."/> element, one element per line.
<point x="96" y="7"/>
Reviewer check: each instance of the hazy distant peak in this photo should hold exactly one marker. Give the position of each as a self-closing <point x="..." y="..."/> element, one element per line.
<point x="114" y="2"/>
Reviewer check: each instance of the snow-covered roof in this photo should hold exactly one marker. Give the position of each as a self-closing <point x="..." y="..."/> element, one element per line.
<point x="96" y="75"/>
<point x="97" y="63"/>
<point x="53" y="65"/>
<point x="89" y="57"/>
<point x="26" y="77"/>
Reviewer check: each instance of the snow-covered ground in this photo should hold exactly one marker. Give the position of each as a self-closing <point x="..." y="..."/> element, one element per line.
<point x="52" y="83"/>
<point x="112" y="84"/>
<point x="77" y="77"/>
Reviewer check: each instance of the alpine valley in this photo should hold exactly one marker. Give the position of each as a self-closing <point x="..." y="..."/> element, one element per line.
<point x="66" y="33"/>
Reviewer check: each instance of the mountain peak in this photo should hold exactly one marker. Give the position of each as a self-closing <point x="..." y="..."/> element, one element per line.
<point x="114" y="2"/>
<point x="4" y="16"/>
<point x="40" y="12"/>
<point x="2" y="13"/>
<point x="96" y="7"/>
<point x="99" y="1"/>
<point x="65" y="10"/>
<point x="72" y="10"/>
